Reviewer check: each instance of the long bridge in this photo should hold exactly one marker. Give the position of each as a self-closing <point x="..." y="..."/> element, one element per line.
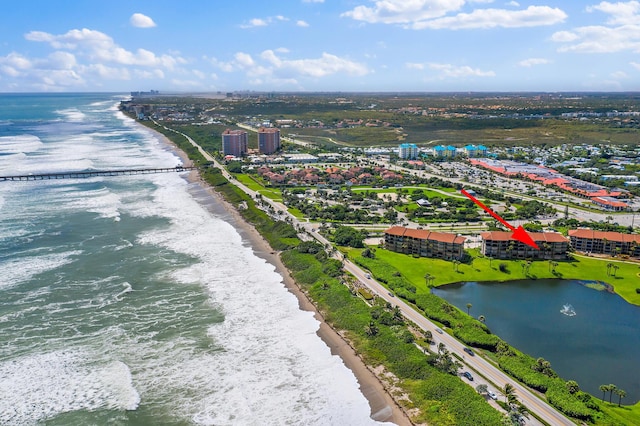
<point x="95" y="173"/>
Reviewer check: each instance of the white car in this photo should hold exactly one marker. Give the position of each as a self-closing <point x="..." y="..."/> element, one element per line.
<point x="492" y="395"/>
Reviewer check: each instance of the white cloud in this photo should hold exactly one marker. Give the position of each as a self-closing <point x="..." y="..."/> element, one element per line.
<point x="403" y="11"/>
<point x="326" y="65"/>
<point x="255" y="22"/>
<point x="244" y="60"/>
<point x="533" y="61"/>
<point x="432" y="14"/>
<point x="600" y="39"/>
<point x="61" y="60"/>
<point x="636" y="65"/>
<point x="533" y="16"/>
<point x="513" y="3"/>
<point x="452" y="71"/>
<point x="414" y="66"/>
<point x="14" y="64"/>
<point x="302" y="23"/>
<point x="263" y="22"/>
<point x="312" y="1"/>
<point x="619" y="75"/>
<point x="141" y="21"/>
<point x="622" y="32"/>
<point x="621" y="13"/>
<point x="564" y="36"/>
<point x="105" y="72"/>
<point x="98" y="46"/>
<point x="271" y="68"/>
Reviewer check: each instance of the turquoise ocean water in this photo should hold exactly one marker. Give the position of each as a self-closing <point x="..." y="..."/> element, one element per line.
<point x="132" y="300"/>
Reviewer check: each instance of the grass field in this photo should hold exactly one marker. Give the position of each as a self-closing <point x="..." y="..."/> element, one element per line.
<point x="272" y="193"/>
<point x="625" y="281"/>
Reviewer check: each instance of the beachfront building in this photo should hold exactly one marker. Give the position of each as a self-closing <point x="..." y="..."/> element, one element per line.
<point x="601" y="242"/>
<point x="500" y="245"/>
<point x="408" y="151"/>
<point x="423" y="243"/>
<point x="234" y="142"/>
<point x="268" y="140"/>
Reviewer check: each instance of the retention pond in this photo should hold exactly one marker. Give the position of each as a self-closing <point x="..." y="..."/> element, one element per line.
<point x="590" y="336"/>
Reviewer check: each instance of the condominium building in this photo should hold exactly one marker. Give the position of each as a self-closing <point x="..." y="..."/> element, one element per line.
<point x="408" y="151"/>
<point x="234" y="142"/>
<point x="601" y="242"/>
<point x="424" y="243"/>
<point x="500" y="245"/>
<point x="268" y="140"/>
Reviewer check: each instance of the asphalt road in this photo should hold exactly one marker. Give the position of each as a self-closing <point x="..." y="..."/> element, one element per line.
<point x="478" y="364"/>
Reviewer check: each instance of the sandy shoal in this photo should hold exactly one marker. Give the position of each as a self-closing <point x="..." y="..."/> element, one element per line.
<point x="383" y="406"/>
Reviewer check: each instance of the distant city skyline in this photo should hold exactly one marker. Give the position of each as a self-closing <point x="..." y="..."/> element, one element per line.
<point x="320" y="45"/>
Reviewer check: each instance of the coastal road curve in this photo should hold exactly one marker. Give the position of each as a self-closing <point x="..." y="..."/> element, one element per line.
<point x="477" y="363"/>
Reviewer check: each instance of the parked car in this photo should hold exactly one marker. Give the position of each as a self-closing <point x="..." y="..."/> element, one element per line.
<point x="469" y="351"/>
<point x="492" y="395"/>
<point x="468" y="376"/>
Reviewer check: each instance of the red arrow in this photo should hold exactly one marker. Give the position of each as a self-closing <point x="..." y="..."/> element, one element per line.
<point x="519" y="233"/>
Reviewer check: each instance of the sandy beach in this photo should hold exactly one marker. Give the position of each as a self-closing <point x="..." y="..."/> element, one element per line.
<point x="383" y="407"/>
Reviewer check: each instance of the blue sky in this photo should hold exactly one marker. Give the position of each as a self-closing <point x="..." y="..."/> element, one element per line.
<point x="319" y="45"/>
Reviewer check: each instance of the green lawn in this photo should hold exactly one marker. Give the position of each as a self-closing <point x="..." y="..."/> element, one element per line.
<point x="481" y="269"/>
<point x="626" y="414"/>
<point x="272" y="193"/>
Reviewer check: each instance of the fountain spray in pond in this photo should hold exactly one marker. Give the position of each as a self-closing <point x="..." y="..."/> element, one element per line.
<point x="568" y="310"/>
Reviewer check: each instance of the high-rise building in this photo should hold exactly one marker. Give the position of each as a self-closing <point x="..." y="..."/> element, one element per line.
<point x="234" y="142"/>
<point x="268" y="140"/>
<point x="408" y="151"/>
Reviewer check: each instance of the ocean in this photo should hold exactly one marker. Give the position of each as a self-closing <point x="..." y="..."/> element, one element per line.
<point x="133" y="300"/>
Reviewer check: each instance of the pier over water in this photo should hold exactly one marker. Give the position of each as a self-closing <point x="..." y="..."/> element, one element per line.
<point x="96" y="173"/>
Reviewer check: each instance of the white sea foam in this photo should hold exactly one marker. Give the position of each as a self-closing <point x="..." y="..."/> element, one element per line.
<point x="16" y="271"/>
<point x="272" y="356"/>
<point x="264" y="365"/>
<point x="72" y="114"/>
<point x="19" y="144"/>
<point x="38" y="387"/>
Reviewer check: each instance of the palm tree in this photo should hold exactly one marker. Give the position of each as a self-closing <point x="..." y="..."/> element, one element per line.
<point x="612" y="389"/>
<point x="427" y="277"/>
<point x="621" y="394"/>
<point x="428" y="337"/>
<point x="509" y="393"/>
<point x="615" y="269"/>
<point x="397" y="314"/>
<point x="609" y="265"/>
<point x="604" y="389"/>
<point x="482" y="389"/>
<point x="572" y="386"/>
<point x="371" y="330"/>
<point x="469" y="305"/>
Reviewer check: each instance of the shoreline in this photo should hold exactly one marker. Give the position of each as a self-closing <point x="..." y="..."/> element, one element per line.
<point x="383" y="407"/>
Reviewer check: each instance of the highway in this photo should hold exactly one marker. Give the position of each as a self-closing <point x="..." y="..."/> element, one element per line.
<point x="477" y="363"/>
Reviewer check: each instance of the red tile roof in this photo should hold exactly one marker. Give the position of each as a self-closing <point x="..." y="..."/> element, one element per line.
<point x="545" y="237"/>
<point x="605" y="202"/>
<point x="618" y="237"/>
<point x="422" y="234"/>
